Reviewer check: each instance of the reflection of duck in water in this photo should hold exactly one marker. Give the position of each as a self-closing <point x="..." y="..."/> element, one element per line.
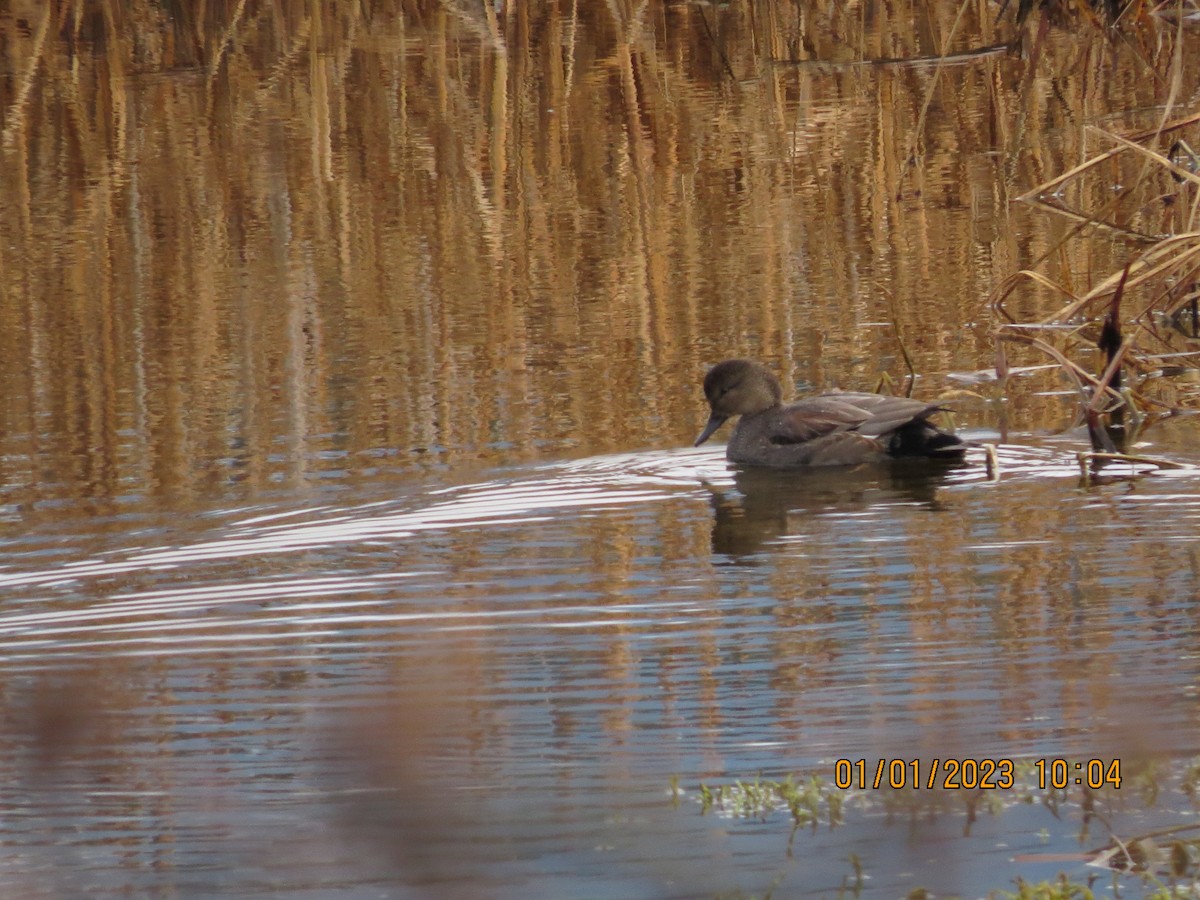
<point x="768" y="504"/>
<point x="834" y="429"/>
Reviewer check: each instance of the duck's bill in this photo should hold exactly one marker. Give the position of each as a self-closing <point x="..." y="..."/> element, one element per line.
<point x="714" y="422"/>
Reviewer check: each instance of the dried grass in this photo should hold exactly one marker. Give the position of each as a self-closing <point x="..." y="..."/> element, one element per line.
<point x="1136" y="314"/>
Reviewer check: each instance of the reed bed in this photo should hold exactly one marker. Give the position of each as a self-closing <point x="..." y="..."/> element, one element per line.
<point x="1128" y="342"/>
<point x="286" y="221"/>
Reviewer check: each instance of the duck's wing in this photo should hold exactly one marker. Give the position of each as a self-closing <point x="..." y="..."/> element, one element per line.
<point x="872" y="415"/>
<point x="885" y="415"/>
<point x="815" y="417"/>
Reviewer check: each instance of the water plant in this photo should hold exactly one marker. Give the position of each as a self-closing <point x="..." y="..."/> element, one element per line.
<point x="1162" y="862"/>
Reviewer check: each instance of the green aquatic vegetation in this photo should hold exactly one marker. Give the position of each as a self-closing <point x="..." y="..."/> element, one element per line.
<point x="1165" y="861"/>
<point x="1060" y="889"/>
<point x="853" y="889"/>
<point x="808" y="801"/>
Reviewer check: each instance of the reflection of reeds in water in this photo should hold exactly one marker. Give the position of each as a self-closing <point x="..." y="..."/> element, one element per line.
<point x="266" y="231"/>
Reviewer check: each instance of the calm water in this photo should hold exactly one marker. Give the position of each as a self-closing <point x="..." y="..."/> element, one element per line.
<point x="351" y="542"/>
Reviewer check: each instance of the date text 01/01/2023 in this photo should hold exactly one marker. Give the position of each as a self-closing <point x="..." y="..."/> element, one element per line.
<point x="972" y="774"/>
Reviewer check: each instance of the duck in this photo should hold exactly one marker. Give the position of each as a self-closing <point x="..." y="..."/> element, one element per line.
<point x="840" y="428"/>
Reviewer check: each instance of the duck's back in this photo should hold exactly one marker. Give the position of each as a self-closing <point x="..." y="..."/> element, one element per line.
<point x="841" y="429"/>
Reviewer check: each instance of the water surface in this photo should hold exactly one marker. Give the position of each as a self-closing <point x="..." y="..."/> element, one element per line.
<point x="352" y="545"/>
<point x="489" y="688"/>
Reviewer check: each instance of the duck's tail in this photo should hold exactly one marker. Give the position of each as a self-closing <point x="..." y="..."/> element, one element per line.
<point x="921" y="438"/>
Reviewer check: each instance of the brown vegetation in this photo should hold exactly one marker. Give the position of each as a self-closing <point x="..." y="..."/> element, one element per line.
<point x="234" y="236"/>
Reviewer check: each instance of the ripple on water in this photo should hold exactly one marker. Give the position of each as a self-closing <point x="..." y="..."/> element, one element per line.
<point x="536" y="655"/>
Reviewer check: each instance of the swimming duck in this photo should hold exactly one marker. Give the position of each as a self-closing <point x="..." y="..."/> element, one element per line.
<point x="834" y="429"/>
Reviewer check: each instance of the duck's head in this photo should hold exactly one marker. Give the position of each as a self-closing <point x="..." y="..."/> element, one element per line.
<point x="738" y="387"/>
